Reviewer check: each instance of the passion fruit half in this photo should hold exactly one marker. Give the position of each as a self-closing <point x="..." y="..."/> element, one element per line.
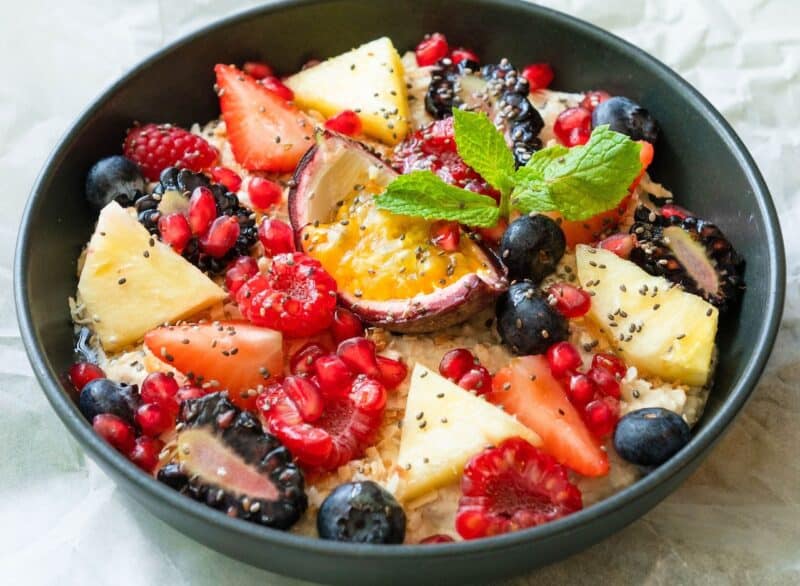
<point x="388" y="268"/>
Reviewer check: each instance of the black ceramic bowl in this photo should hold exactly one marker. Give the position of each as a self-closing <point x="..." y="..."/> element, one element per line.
<point x="699" y="158"/>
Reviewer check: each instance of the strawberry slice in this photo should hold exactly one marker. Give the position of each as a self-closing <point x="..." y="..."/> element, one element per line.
<point x="266" y="132"/>
<point x="526" y="388"/>
<point x="240" y="357"/>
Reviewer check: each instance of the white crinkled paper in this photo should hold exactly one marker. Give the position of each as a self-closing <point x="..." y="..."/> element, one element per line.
<point x="737" y="520"/>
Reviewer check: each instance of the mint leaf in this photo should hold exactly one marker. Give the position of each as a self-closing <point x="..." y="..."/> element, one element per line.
<point x="484" y="148"/>
<point x="580" y="182"/>
<point x="423" y="194"/>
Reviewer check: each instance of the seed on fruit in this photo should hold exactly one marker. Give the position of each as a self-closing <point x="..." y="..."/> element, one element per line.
<point x="359" y="355"/>
<point x="570" y="301"/>
<point x="161" y="389"/>
<point x="476" y="379"/>
<point x="145" y="453"/>
<point x="445" y="235"/>
<point x="153" y="419"/>
<point x="239" y="271"/>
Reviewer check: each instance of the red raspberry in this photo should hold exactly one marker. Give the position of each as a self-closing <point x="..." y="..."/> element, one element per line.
<point x="296" y="296"/>
<point x="257" y="70"/>
<point x="227" y="177"/>
<point x="510" y="487"/>
<point x="570" y="301"/>
<point x="115" y="431"/>
<point x="81" y="373"/>
<point x="154" y="147"/>
<point x="239" y="271"/>
<point x="276" y="237"/>
<point x="460" y="54"/>
<point x="456" y="363"/>
<point x="346" y="324"/>
<point x="431" y="49"/>
<point x="145" y="453"/>
<point x="539" y="75"/>
<point x="573" y="126"/>
<point x="263" y="193"/>
<point x="346" y="122"/>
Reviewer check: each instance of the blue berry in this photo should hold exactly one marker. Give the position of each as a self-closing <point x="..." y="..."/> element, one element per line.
<point x="106" y="396"/>
<point x="626" y="116"/>
<point x="531" y="247"/>
<point x="114" y="178"/>
<point x="651" y="436"/>
<point x="361" y="512"/>
<point x="526" y="322"/>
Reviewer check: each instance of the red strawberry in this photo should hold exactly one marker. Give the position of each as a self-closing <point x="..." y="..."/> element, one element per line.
<point x="154" y="147"/>
<point x="265" y="131"/>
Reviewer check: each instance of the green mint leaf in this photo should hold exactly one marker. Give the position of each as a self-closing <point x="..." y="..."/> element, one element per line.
<point x="484" y="148"/>
<point x="580" y="182"/>
<point x="423" y="194"/>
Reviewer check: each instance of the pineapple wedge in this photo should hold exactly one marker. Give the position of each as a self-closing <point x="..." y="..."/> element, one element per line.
<point x="655" y="326"/>
<point x="368" y="80"/>
<point x="127" y="293"/>
<point x="454" y="425"/>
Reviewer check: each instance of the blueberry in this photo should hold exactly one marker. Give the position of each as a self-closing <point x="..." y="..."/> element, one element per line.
<point x="106" y="396"/>
<point x="361" y="512"/>
<point x="113" y="178"/>
<point x="651" y="436"/>
<point x="626" y="116"/>
<point x="531" y="247"/>
<point x="527" y="323"/>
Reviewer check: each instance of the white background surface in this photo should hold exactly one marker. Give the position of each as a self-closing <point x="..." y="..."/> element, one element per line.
<point x="737" y="520"/>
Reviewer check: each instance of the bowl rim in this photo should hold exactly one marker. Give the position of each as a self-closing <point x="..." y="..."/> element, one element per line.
<point x="148" y="487"/>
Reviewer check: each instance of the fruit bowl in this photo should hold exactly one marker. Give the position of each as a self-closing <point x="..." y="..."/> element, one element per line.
<point x="699" y="155"/>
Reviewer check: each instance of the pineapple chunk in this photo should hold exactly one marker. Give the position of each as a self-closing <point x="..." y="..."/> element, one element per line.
<point x="128" y="293"/>
<point x="454" y="426"/>
<point x="666" y="332"/>
<point x="368" y="80"/>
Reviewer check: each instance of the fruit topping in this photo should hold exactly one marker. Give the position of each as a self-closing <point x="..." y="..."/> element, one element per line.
<point x="570" y="301"/>
<point x="460" y="54"/>
<point x="510" y="487"/>
<point x="154" y="147"/>
<point x="626" y="116"/>
<point x="225" y="460"/>
<point x="689" y="251"/>
<point x="266" y="133"/>
<point x="593" y="99"/>
<point x="263" y="193"/>
<point x="573" y="126"/>
<point x="277" y="87"/>
<point x="527" y="322"/>
<point x="531" y="247"/>
<point x="601" y="416"/>
<point x="361" y="512"/>
<point x="446" y="235"/>
<point x="563" y="358"/>
<point x="477" y="380"/>
<point x="276" y="237"/>
<point x="103" y="396"/>
<point x="174" y="230"/>
<point x="153" y="419"/>
<point x="346" y="122"/>
<point x="651" y="436"/>
<point x="431" y="49"/>
<point x="114" y="178"/>
<point x="115" y="431"/>
<point x="202" y="210"/>
<point x="620" y="244"/>
<point x="240" y="271"/>
<point x="359" y="355"/>
<point x="296" y="296"/>
<point x="539" y="75"/>
<point x="220" y="237"/>
<point x="302" y="361"/>
<point x="82" y="373"/>
<point x="456" y="363"/>
<point x="346" y="324"/>
<point x="226" y="177"/>
<point x="145" y="453"/>
<point x="161" y="389"/>
<point x="392" y="372"/>
<point x="257" y="69"/>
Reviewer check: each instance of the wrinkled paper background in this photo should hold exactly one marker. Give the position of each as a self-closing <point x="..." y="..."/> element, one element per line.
<point x="737" y="520"/>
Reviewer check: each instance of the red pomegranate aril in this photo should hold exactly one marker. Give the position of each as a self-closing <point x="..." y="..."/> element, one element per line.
<point x="175" y="231"/>
<point x="539" y="75"/>
<point x="620" y="244"/>
<point x="346" y="122"/>
<point x="221" y="236"/>
<point x="580" y="390"/>
<point x="563" y="359"/>
<point x="359" y="355"/>
<point x="305" y="395"/>
<point x="276" y="237"/>
<point x="202" y="210"/>
<point x="437" y="538"/>
<point x="573" y="126"/>
<point x="346" y="324"/>
<point x="600" y="417"/>
<point x="263" y="192"/>
<point x="672" y="211"/>
<point x="593" y="99"/>
<point x="146" y="452"/>
<point x="570" y="301"/>
<point x="460" y="54"/>
<point x="302" y="361"/>
<point x="81" y="373"/>
<point x="393" y="372"/>
<point x="189" y="392"/>
<point x="446" y="235"/>
<point x="605" y="382"/>
<point x="153" y="419"/>
<point x="227" y="177"/>
<point x="160" y="388"/>
<point x="239" y="271"/>
<point x="368" y="394"/>
<point x="611" y="363"/>
<point x="456" y="363"/>
<point x="257" y="69"/>
<point x="115" y="431"/>
<point x="476" y="379"/>
<point x="277" y="87"/>
<point x="333" y="374"/>
<point x="431" y="49"/>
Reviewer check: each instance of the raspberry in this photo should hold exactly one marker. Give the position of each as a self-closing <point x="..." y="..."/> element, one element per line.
<point x="510" y="487"/>
<point x="296" y="296"/>
<point x="346" y="122"/>
<point x="154" y="147"/>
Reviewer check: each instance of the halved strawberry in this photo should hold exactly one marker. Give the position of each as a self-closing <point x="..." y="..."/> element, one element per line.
<point x="526" y="388"/>
<point x="240" y="357"/>
<point x="266" y="132"/>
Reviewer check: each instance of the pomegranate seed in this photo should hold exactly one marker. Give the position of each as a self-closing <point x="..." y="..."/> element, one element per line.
<point x="445" y="235"/>
<point x="393" y="372"/>
<point x="175" y="231"/>
<point x="359" y="355"/>
<point x="346" y="324"/>
<point x="145" y="453"/>
<point x="277" y="87"/>
<point x="593" y="99"/>
<point x="202" y="210"/>
<point x="81" y="373"/>
<point x="619" y="244"/>
<point x="276" y="237"/>
<point x="302" y="362"/>
<point x="333" y="374"/>
<point x="438" y="538"/>
<point x="580" y="390"/>
<point x="460" y="54"/>
<point x="115" y="431"/>
<point x="456" y="363"/>
<point x="539" y="75"/>
<point x="431" y="49"/>
<point x="305" y="395"/>
<point x="153" y="419"/>
<point x="227" y="177"/>
<point x="263" y="193"/>
<point x="476" y="379"/>
<point x="161" y="389"/>
<point x="600" y="417"/>
<point x="673" y="211"/>
<point x="611" y="363"/>
<point x="563" y="359"/>
<point x="257" y="70"/>
<point x="221" y="236"/>
<point x="605" y="382"/>
<point x="573" y="126"/>
<point x="346" y="122"/>
<point x="239" y="271"/>
<point x="368" y="394"/>
<point x="570" y="301"/>
<point x="188" y="393"/>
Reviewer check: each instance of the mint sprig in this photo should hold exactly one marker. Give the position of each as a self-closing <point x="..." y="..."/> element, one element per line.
<point x="578" y="182"/>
